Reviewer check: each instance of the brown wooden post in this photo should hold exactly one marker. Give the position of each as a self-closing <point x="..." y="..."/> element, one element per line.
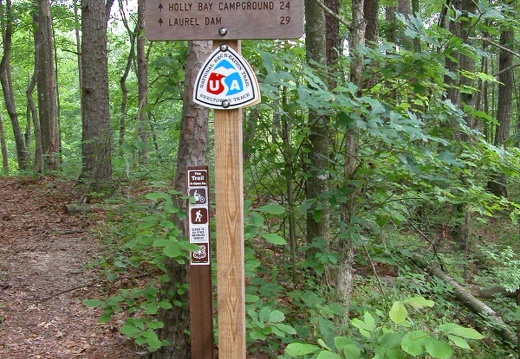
<point x="230" y="231"/>
<point x="201" y="316"/>
<point x="201" y="294"/>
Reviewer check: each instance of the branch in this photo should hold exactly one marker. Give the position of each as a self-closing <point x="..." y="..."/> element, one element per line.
<point x="494" y="44"/>
<point x="469" y="300"/>
<point x="90" y="284"/>
<point x="333" y="14"/>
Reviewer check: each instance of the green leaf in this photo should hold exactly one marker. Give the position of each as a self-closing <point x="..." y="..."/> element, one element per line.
<point x="161" y="242"/>
<point x="251" y="298"/>
<point x="328" y="355"/>
<point x="342" y="342"/>
<point x="257" y="335"/>
<point x="352" y="351"/>
<point x="398" y="312"/>
<point x="165" y="304"/>
<point x="265" y="314"/>
<point x="458" y="341"/>
<point x="93" y="303"/>
<point x="148" y="222"/>
<point x="395" y="354"/>
<point x="455" y="329"/>
<point x="154" y="342"/>
<point x="299" y="349"/>
<point x="275" y="209"/>
<point x="172" y="250"/>
<point x="390" y="340"/>
<point x="323" y="344"/>
<point x="274" y="238"/>
<point x="369" y="321"/>
<point x="438" y="349"/>
<point x="468" y="333"/>
<point x="129" y="330"/>
<point x="358" y="323"/>
<point x="286" y="328"/>
<point x="420" y="302"/>
<point x="413" y="343"/>
<point x="151" y="308"/>
<point x="256" y="219"/>
<point x="156" y="196"/>
<point x="276" y="317"/>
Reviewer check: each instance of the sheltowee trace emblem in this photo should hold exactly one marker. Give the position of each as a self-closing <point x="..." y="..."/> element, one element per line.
<point x="226" y="81"/>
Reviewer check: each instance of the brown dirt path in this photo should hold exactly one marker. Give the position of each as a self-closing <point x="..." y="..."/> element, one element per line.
<point x="43" y="252"/>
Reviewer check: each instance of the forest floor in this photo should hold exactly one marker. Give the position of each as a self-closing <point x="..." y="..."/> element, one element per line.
<point x="45" y="277"/>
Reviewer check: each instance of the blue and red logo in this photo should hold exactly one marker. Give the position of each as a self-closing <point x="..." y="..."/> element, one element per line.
<point x="226" y="81"/>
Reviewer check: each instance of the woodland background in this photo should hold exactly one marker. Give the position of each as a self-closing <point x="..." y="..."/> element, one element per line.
<point x="381" y="169"/>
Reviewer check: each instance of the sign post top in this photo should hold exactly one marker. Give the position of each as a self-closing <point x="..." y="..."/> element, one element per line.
<point x="223" y="19"/>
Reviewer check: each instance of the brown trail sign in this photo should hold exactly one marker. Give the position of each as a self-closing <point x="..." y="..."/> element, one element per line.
<point x="224" y="87"/>
<point x="204" y="20"/>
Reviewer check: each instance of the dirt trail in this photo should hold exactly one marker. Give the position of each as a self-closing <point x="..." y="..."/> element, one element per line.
<point x="43" y="252"/>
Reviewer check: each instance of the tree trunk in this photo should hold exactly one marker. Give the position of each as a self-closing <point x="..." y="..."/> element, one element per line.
<point x="370" y="14"/>
<point x="95" y="111"/>
<point x="192" y="152"/>
<point x="7" y="84"/>
<point x="142" y="79"/>
<point x="3" y="147"/>
<point x="132" y="34"/>
<point x="346" y="245"/>
<point x="46" y="84"/>
<point x="33" y="115"/>
<point x="77" y="25"/>
<point x="498" y="182"/>
<point x="319" y="138"/>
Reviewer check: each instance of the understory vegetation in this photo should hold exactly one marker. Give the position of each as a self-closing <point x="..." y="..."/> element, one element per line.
<point x="417" y="191"/>
<point x="415" y="185"/>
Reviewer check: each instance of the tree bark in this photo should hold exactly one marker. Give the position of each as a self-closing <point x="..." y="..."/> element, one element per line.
<point x="7" y="84"/>
<point x="132" y="34"/>
<point x="346" y="245"/>
<point x="33" y="115"/>
<point x="192" y="152"/>
<point x="318" y="225"/>
<point x="498" y="183"/>
<point x="3" y="147"/>
<point x="142" y="80"/>
<point x="46" y="84"/>
<point x="95" y="110"/>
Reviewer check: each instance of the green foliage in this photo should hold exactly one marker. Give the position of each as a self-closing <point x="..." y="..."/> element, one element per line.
<point x="378" y="337"/>
<point x="151" y="238"/>
<point x="505" y="266"/>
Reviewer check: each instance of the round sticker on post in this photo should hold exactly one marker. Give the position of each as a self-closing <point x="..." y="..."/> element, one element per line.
<point x="226" y="81"/>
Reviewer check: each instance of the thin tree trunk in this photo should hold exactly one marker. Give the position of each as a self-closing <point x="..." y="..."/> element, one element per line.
<point x="3" y="147"/>
<point x="46" y="84"/>
<point x="142" y="80"/>
<point x="122" y="81"/>
<point x="498" y="183"/>
<point x="7" y="84"/>
<point x="346" y="246"/>
<point x="33" y="114"/>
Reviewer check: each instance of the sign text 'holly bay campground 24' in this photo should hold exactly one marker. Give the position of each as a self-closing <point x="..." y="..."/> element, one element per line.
<point x="223" y="20"/>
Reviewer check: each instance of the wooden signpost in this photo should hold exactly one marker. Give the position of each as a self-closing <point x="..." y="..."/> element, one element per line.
<point x="201" y="308"/>
<point x="226" y="83"/>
